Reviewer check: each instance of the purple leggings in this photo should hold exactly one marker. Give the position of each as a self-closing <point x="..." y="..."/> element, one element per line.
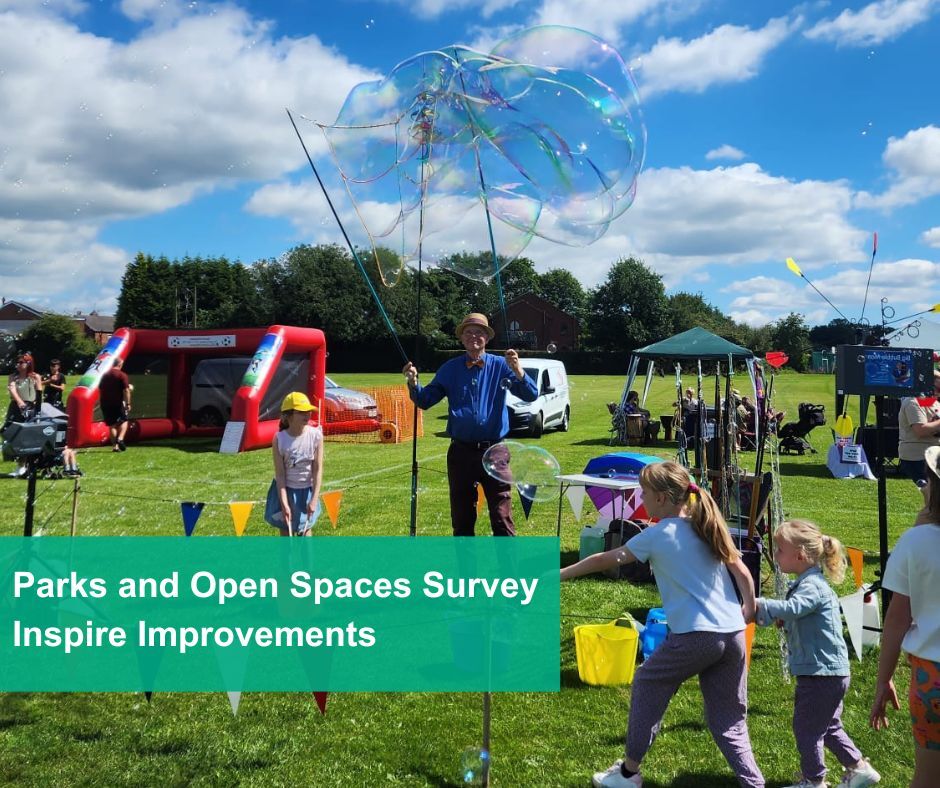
<point x="817" y="721"/>
<point x="717" y="658"/>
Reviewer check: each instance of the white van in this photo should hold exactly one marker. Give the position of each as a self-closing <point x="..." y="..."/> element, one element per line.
<point x="552" y="407"/>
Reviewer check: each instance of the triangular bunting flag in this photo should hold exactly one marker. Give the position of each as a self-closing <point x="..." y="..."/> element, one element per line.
<point x="575" y="495"/>
<point x="234" y="698"/>
<point x="148" y="696"/>
<point x="526" y="502"/>
<point x="191" y="512"/>
<point x="748" y="643"/>
<point x="331" y="501"/>
<point x="320" y="698"/>
<point x="853" y="608"/>
<point x="481" y="498"/>
<point x="241" y="510"/>
<point x="856" y="559"/>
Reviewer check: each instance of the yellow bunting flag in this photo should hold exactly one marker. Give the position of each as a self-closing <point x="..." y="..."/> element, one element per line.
<point x="240" y="513"/>
<point x="481" y="498"/>
<point x="331" y="501"/>
<point x="748" y="642"/>
<point x="791" y="264"/>
<point x="856" y="559"/>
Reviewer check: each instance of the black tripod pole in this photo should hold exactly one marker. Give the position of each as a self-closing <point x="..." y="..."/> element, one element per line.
<point x="30" y="497"/>
<point x="882" y="499"/>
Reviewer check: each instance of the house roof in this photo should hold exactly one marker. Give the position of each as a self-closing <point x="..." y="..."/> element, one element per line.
<point x="101" y="324"/>
<point x="692" y="344"/>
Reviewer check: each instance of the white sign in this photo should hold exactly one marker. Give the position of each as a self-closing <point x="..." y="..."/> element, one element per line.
<point x="852" y="453"/>
<point x="232" y="437"/>
<point x="213" y="340"/>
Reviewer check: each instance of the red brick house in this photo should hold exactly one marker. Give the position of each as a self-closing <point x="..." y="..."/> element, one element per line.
<point x="16" y="317"/>
<point x="534" y="324"/>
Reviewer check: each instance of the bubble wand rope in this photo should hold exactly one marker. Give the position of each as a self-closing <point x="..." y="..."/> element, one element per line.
<point x="486" y="207"/>
<point x="871" y="267"/>
<point x="352" y="249"/>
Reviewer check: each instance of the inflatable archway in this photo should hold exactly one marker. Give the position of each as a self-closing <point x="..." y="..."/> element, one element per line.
<point x="244" y="430"/>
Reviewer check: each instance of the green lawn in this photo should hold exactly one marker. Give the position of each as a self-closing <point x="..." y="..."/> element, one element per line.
<point x="417" y="739"/>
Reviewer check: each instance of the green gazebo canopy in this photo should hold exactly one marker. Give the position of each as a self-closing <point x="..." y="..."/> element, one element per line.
<point x="692" y="344"/>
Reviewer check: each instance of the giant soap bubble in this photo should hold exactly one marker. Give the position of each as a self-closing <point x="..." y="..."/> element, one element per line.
<point x="543" y="137"/>
<point x="531" y="469"/>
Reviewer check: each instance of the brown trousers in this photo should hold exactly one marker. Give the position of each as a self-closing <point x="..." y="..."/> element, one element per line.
<point x="464" y="472"/>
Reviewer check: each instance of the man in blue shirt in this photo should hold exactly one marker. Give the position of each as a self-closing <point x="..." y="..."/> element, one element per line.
<point x="475" y="385"/>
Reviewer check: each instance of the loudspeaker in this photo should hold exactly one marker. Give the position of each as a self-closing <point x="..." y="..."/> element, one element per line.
<point x="889" y="441"/>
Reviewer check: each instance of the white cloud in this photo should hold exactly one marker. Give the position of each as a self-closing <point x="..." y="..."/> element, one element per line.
<point x="601" y="16"/>
<point x="684" y="223"/>
<point x="931" y="237"/>
<point x="874" y="24"/>
<point x="96" y="130"/>
<point x="725" y="152"/>
<point x="729" y="53"/>
<point x="431" y="9"/>
<point x="915" y="161"/>
<point x="763" y="299"/>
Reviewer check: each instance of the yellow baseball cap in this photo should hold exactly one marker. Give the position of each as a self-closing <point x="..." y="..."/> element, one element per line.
<point x="297" y="400"/>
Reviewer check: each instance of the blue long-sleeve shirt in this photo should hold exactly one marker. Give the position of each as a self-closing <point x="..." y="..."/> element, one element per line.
<point x="813" y="623"/>
<point x="476" y="399"/>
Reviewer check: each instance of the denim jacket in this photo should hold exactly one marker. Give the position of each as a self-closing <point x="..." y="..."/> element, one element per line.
<point x="813" y="623"/>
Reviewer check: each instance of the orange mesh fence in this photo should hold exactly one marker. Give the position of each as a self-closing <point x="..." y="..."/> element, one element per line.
<point x="384" y="414"/>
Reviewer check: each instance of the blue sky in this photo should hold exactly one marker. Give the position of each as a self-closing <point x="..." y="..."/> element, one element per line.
<point x="774" y="130"/>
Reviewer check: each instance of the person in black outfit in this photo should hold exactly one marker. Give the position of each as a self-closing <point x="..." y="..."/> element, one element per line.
<point x="53" y="385"/>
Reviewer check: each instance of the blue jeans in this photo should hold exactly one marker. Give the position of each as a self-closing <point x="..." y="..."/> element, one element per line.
<point x="915" y="470"/>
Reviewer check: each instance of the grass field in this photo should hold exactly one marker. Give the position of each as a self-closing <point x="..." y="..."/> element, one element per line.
<point x="408" y="738"/>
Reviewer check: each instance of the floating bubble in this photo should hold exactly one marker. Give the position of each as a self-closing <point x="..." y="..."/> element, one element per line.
<point x="552" y="347"/>
<point x="505" y="384"/>
<point x="531" y="469"/>
<point x="542" y="137"/>
<point x="473" y="764"/>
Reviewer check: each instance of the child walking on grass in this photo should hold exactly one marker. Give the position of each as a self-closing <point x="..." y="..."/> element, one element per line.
<point x="293" y="499"/>
<point x="693" y="558"/>
<point x="819" y="657"/>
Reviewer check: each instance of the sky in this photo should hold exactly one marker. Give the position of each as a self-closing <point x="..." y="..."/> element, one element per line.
<point x="774" y="130"/>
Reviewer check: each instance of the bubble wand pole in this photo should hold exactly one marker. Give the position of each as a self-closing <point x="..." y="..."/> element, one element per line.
<point x="352" y="249"/>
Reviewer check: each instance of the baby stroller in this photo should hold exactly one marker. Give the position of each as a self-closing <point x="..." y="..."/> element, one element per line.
<point x="793" y="434"/>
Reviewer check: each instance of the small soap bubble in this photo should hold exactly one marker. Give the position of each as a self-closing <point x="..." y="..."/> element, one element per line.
<point x="552" y="347"/>
<point x="505" y="384"/>
<point x="473" y="763"/>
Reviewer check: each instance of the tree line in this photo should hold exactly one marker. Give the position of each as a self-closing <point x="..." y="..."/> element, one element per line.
<point x="321" y="286"/>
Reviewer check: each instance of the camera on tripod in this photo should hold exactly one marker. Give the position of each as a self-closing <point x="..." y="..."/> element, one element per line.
<point x="40" y="440"/>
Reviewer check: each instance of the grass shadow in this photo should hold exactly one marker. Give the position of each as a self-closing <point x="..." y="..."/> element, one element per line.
<point x="816" y="471"/>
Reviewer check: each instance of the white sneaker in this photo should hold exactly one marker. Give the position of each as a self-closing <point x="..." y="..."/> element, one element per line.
<point x="862" y="775"/>
<point x="613" y="778"/>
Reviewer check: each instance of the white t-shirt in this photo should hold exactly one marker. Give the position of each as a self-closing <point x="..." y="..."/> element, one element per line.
<point x="696" y="588"/>
<point x="297" y="454"/>
<point x="914" y="570"/>
<point x="910" y="447"/>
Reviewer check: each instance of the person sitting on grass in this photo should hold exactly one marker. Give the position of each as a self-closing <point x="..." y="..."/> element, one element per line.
<point x="293" y="502"/>
<point x="693" y="559"/>
<point x="819" y="657"/>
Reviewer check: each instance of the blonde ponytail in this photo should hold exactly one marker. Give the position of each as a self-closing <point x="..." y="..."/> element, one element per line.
<point x="821" y="550"/>
<point x="672" y="480"/>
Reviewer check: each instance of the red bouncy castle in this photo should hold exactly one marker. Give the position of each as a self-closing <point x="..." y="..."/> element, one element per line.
<point x="179" y="353"/>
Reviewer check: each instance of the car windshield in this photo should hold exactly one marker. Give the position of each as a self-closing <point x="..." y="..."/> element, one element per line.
<point x="330" y="383"/>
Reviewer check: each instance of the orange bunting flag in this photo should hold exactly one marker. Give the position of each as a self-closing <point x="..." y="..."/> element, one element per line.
<point x="331" y="501"/>
<point x="481" y="498"/>
<point x="856" y="559"/>
<point x="748" y="642"/>
<point x="240" y="513"/>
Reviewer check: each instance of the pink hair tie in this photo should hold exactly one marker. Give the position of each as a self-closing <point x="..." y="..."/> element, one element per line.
<point x="693" y="487"/>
